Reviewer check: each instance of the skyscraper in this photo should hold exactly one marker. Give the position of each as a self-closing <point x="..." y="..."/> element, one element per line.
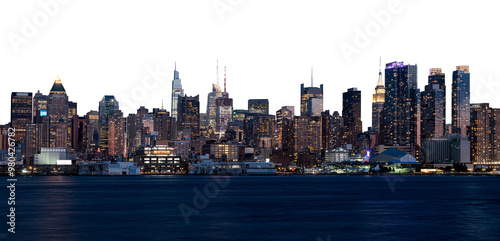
<point x="177" y="92"/>
<point x="378" y="102"/>
<point x="21" y="105"/>
<point x="260" y="106"/>
<point x="484" y="134"/>
<point x="311" y="100"/>
<point x="351" y="111"/>
<point x="189" y="117"/>
<point x="211" y="107"/>
<point x="116" y="133"/>
<point x="399" y="126"/>
<point x="223" y="111"/>
<point x="460" y="100"/>
<point x="57" y="110"/>
<point x="285" y="114"/>
<point x="39" y="105"/>
<point x="433" y="104"/>
<point x="107" y="107"/>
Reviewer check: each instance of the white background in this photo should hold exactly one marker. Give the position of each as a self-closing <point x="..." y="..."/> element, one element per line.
<point x="102" y="48"/>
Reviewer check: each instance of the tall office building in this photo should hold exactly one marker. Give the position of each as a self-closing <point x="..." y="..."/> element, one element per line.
<point x="107" y="107"/>
<point x="39" y="105"/>
<point x="211" y="107"/>
<point x="189" y="117"/>
<point x="351" y="111"/>
<point x="460" y="112"/>
<point x="378" y="102"/>
<point x="91" y="138"/>
<point x="286" y="113"/>
<point x="177" y="92"/>
<point x="57" y="110"/>
<point x="162" y="124"/>
<point x="311" y="100"/>
<point x="337" y="129"/>
<point x="326" y="130"/>
<point x="259" y="130"/>
<point x="433" y="106"/>
<point x="307" y="134"/>
<point x="21" y="105"/>
<point x="33" y="140"/>
<point x="484" y="135"/>
<point x="223" y="111"/>
<point x="260" y="106"/>
<point x="116" y="133"/>
<point x="400" y="117"/>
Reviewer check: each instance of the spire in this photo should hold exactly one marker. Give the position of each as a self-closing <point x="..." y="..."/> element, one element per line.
<point x="312" y="77"/>
<point x="176" y="73"/>
<point x="162" y="104"/>
<point x="380" y="82"/>
<point x="217" y="72"/>
<point x="380" y="65"/>
<point x="225" y="80"/>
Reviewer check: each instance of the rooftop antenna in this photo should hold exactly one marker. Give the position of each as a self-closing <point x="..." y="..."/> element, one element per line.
<point x="312" y="77"/>
<point x="175" y="66"/>
<point x="224" y="80"/>
<point x="217" y="73"/>
<point x="162" y="104"/>
<point x="380" y="65"/>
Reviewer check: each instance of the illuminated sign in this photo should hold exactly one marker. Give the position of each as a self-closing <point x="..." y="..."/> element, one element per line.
<point x="43" y="112"/>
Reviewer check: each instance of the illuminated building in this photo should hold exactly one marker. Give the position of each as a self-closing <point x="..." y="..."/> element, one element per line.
<point x="460" y="109"/>
<point x="400" y="118"/>
<point x="107" y="107"/>
<point x="307" y="134"/>
<point x="163" y="124"/>
<point x="72" y="111"/>
<point x="57" y="109"/>
<point x="159" y="159"/>
<point x="311" y="100"/>
<point x="39" y="105"/>
<point x="433" y="104"/>
<point x="378" y="102"/>
<point x="91" y="129"/>
<point x="286" y="113"/>
<point x="116" y="134"/>
<point x="177" y="92"/>
<point x="259" y="130"/>
<point x="189" y="117"/>
<point x="239" y="115"/>
<point x="337" y="124"/>
<point x="259" y="106"/>
<point x="326" y="130"/>
<point x="211" y="107"/>
<point x="33" y="140"/>
<point x="21" y="112"/>
<point x="351" y="112"/>
<point x="223" y="111"/>
<point x="222" y="151"/>
<point x="484" y="135"/>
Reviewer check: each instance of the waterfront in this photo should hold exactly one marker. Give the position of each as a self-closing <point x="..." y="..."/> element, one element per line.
<point x="257" y="208"/>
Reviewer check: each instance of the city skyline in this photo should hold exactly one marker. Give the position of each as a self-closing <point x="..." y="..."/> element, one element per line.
<point x="262" y="55"/>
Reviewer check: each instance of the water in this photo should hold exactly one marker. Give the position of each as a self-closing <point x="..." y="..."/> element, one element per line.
<point x="257" y="208"/>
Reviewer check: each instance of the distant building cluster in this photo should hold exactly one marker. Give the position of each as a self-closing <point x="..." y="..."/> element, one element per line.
<point x="406" y="123"/>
